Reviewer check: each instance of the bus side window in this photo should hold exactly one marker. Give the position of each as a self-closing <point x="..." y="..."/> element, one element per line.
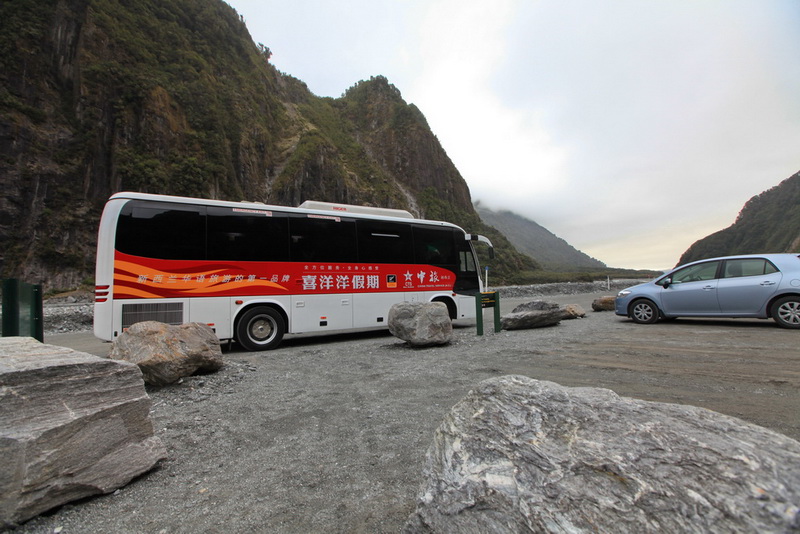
<point x="236" y="236"/>
<point x="322" y="239"/>
<point x="434" y="246"/>
<point x="384" y="242"/>
<point x="163" y="231"/>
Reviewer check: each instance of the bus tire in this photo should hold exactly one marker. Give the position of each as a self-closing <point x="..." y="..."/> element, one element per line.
<point x="260" y="328"/>
<point x="451" y="306"/>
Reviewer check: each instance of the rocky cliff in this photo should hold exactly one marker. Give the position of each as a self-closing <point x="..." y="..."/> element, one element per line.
<point x="99" y="96"/>
<point x="769" y="222"/>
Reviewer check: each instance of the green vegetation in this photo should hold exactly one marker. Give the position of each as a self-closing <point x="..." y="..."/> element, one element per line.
<point x="769" y="222"/>
<point x="174" y="97"/>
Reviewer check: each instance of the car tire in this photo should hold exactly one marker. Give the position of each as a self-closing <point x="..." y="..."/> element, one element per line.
<point x="786" y="312"/>
<point x="643" y="311"/>
<point x="260" y="328"/>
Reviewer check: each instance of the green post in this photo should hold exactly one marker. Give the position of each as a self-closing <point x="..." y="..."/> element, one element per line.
<point x="37" y="313"/>
<point x="488" y="299"/>
<point x="478" y="312"/>
<point x="496" y="312"/>
<point x="22" y="310"/>
<point x="10" y="307"/>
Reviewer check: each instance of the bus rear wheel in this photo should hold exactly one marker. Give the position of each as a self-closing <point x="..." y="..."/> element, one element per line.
<point x="260" y="328"/>
<point x="451" y="307"/>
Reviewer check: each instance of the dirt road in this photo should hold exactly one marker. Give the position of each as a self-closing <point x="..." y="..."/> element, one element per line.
<point x="330" y="434"/>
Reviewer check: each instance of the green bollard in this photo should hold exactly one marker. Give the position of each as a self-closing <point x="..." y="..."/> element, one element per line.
<point x="22" y="310"/>
<point x="488" y="299"/>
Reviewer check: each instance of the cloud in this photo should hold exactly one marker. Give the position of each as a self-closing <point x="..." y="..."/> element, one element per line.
<point x="631" y="129"/>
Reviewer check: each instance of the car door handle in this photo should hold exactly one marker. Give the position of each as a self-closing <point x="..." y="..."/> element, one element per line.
<point x="706" y="288"/>
<point x="767" y="283"/>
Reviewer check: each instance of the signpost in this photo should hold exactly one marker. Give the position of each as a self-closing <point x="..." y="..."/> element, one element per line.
<point x="487" y="299"/>
<point x="22" y="310"/>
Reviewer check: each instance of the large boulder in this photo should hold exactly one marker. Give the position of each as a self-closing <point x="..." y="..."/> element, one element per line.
<point x="71" y="425"/>
<point x="166" y="353"/>
<point x="604" y="304"/>
<point x="421" y="324"/>
<point x="538" y="314"/>
<point x="573" y="311"/>
<point x="530" y="319"/>
<point x="521" y="455"/>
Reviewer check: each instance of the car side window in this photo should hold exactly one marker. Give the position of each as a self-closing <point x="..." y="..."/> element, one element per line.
<point x="748" y="267"/>
<point x="696" y="273"/>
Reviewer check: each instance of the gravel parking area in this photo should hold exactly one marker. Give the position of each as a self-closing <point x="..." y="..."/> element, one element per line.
<point x="329" y="434"/>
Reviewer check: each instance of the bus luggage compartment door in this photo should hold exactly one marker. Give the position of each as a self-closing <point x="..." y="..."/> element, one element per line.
<point x="318" y="313"/>
<point x="214" y="312"/>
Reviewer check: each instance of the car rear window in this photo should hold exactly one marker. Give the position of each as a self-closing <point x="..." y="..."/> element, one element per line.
<point x="748" y="267"/>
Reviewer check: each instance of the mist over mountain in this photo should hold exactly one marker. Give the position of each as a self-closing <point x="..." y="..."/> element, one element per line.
<point x="768" y="222"/>
<point x="530" y="238"/>
<point x="100" y="96"/>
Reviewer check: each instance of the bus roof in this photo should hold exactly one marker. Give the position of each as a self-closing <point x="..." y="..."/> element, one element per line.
<point x="308" y="206"/>
<point x="349" y="208"/>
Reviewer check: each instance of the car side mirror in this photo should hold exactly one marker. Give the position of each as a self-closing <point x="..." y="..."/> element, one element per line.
<point x="666" y="282"/>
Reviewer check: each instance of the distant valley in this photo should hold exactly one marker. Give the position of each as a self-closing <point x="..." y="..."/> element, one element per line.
<point x="552" y="252"/>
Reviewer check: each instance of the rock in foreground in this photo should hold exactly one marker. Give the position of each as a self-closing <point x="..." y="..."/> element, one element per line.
<point x="604" y="304"/>
<point x="421" y="324"/>
<point x="538" y="314"/>
<point x="71" y="425"/>
<point x="166" y="353"/>
<point x="519" y="455"/>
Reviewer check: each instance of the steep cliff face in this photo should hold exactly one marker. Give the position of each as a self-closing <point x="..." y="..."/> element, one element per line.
<point x="769" y="222"/>
<point x="99" y="96"/>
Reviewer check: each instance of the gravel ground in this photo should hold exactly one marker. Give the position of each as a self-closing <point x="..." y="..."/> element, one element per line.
<point x="329" y="434"/>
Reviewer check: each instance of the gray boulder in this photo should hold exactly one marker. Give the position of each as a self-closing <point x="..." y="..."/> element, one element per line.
<point x="538" y="314"/>
<point x="530" y="319"/>
<point x="72" y="425"/>
<point x="536" y="305"/>
<point x="521" y="455"/>
<point x="421" y="324"/>
<point x="166" y="353"/>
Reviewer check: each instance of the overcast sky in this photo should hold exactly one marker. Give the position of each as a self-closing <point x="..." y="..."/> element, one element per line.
<point x="629" y="128"/>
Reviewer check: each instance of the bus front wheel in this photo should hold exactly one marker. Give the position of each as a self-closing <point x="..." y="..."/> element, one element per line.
<point x="260" y="328"/>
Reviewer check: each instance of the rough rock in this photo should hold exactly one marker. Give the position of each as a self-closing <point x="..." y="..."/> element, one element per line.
<point x="573" y="311"/>
<point x="71" y="425"/>
<point x="531" y="319"/>
<point x="570" y="311"/>
<point x="166" y="353"/>
<point x="536" y="305"/>
<point x="521" y="455"/>
<point x="421" y="324"/>
<point x="603" y="304"/>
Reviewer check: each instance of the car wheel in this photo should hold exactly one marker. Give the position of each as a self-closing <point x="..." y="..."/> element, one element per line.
<point x="786" y="312"/>
<point x="644" y="311"/>
<point x="260" y="328"/>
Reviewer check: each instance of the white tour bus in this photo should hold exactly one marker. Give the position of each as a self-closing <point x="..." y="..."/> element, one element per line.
<point x="254" y="272"/>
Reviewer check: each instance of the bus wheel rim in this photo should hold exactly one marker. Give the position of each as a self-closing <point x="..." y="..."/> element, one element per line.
<point x="261" y="329"/>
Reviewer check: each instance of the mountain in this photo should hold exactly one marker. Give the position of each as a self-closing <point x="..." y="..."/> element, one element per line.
<point x="769" y="222"/>
<point x="100" y="96"/>
<point x="552" y="252"/>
